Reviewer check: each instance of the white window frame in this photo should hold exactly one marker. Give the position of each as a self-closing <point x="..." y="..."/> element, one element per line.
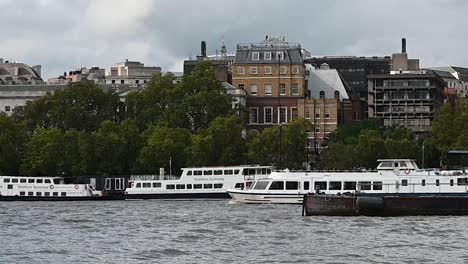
<point x="250" y="115"/>
<point x="267" y="55"/>
<point x="291" y="113"/>
<point x="292" y="89"/>
<point x="317" y="112"/>
<point x="253" y="70"/>
<point x="255" y="56"/>
<point x="307" y="111"/>
<point x="265" y="115"/>
<point x="285" y="90"/>
<point x="280" y="55"/>
<point x="282" y="70"/>
<point x="317" y="128"/>
<point x="267" y="70"/>
<point x="295" y="70"/>
<point x="256" y="89"/>
<point x="240" y="70"/>
<point x="285" y="115"/>
<point x="327" y="112"/>
<point x="271" y="89"/>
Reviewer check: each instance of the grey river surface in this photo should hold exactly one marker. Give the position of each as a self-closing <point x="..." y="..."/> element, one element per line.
<point x="156" y="231"/>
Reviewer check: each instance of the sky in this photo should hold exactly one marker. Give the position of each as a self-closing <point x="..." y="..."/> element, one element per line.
<point x="64" y="35"/>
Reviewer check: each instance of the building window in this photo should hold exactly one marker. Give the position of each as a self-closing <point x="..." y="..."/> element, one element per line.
<point x="337" y="95"/>
<point x="122" y="81"/>
<point x="283" y="114"/>
<point x="267" y="69"/>
<point x="253" y="70"/>
<point x="240" y="70"/>
<point x="253" y="89"/>
<point x="295" y="89"/>
<point x="267" y="55"/>
<point x="282" y="89"/>
<point x="279" y="55"/>
<point x="317" y="128"/>
<point x="327" y="112"/>
<point x="7" y="108"/>
<point x="253" y="115"/>
<point x="137" y="81"/>
<point x="322" y="94"/>
<point x="241" y="86"/>
<point x="283" y="70"/>
<point x="268" y="115"/>
<point x="294" y="113"/>
<point x="307" y="112"/>
<point x="317" y="112"/>
<point x="255" y="56"/>
<point x="267" y="89"/>
<point x="113" y="81"/>
<point x="327" y="128"/>
<point x="295" y="70"/>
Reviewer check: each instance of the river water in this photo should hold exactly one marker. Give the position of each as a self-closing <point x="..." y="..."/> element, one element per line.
<point x="156" y="231"/>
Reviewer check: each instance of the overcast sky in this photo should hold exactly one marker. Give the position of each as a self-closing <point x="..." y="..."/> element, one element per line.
<point x="63" y="35"/>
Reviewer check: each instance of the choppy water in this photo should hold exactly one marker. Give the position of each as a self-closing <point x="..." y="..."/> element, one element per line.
<point x="156" y="231"/>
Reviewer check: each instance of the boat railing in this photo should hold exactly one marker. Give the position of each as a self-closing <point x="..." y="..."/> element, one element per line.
<point x="153" y="177"/>
<point x="326" y="171"/>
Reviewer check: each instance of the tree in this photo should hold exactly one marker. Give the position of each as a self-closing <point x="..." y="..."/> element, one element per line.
<point x="164" y="147"/>
<point x="81" y="106"/>
<point x="12" y="140"/>
<point x="221" y="143"/>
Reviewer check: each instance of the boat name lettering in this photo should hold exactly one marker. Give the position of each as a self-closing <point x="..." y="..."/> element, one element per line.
<point x="32" y="187"/>
<point x="209" y="179"/>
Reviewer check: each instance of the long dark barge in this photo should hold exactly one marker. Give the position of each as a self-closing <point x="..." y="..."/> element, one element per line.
<point x="388" y="205"/>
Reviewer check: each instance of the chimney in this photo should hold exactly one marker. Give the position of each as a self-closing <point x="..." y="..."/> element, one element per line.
<point x="203" y="48"/>
<point x="403" y="45"/>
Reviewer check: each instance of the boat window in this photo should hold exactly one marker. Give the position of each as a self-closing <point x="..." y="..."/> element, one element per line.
<point x="404" y="182"/>
<point x="227" y="172"/>
<point x="56" y="181"/>
<point x="156" y="185"/>
<point x="365" y="185"/>
<point x="189" y="186"/>
<point x="349" y="185"/>
<point x="259" y="171"/>
<point x="6" y="180"/>
<point x="147" y="185"/>
<point x="30" y="193"/>
<point x="292" y="185"/>
<point x="24" y="181"/>
<point x="320" y="185"/>
<point x="268" y="171"/>
<point x="377" y="186"/>
<point x="14" y="180"/>
<point x="38" y="193"/>
<point x="46" y="180"/>
<point x="39" y="180"/>
<point x="22" y="193"/>
<point x="55" y="194"/>
<point x="207" y="186"/>
<point x="138" y="185"/>
<point x="10" y="186"/>
<point x="180" y="186"/>
<point x="63" y="194"/>
<point x="47" y="194"/>
<point x="451" y="182"/>
<point x="423" y="183"/>
<point x="30" y="180"/>
<point x="306" y="185"/>
<point x="239" y="185"/>
<point x="199" y="172"/>
<point x="437" y="183"/>
<point x="189" y="173"/>
<point x="261" y="185"/>
<point x="197" y="186"/>
<point x="218" y="172"/>
<point x="208" y="172"/>
<point x="218" y="185"/>
<point x="462" y="181"/>
<point x="277" y="185"/>
<point x="264" y="171"/>
<point x="335" y="185"/>
<point x="236" y="172"/>
<point x="170" y="187"/>
<point x="403" y="164"/>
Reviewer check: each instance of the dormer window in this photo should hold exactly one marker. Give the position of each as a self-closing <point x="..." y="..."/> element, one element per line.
<point x="267" y="55"/>
<point x="279" y="55"/>
<point x="255" y="56"/>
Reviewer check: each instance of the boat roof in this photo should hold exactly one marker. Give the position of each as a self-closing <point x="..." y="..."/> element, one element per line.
<point x="227" y="167"/>
<point x="458" y="152"/>
<point x="380" y="160"/>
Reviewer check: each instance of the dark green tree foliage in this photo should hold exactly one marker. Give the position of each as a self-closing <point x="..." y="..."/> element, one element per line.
<point x="82" y="106"/>
<point x="12" y="140"/>
<point x="162" y="145"/>
<point x="221" y="143"/>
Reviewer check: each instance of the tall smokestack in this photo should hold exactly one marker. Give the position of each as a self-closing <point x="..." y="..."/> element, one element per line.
<point x="203" y="48"/>
<point x="403" y="45"/>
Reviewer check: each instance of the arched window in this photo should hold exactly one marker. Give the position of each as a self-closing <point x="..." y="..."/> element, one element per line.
<point x="322" y="94"/>
<point x="337" y="95"/>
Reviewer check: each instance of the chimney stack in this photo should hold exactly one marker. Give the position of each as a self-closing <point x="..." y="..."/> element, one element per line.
<point x="403" y="45"/>
<point x="203" y="48"/>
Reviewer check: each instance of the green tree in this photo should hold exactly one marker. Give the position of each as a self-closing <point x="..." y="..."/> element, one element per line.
<point x="12" y="140"/>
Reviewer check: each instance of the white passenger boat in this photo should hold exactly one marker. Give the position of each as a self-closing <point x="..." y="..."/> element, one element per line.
<point x="204" y="182"/>
<point x="393" y="177"/>
<point x="17" y="188"/>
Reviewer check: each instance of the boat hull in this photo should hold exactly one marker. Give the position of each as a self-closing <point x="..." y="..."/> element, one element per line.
<point x="265" y="198"/>
<point x="336" y="205"/>
<point x="181" y="196"/>
<point x="68" y="198"/>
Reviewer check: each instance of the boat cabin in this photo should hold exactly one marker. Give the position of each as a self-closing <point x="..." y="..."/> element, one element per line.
<point x="397" y="165"/>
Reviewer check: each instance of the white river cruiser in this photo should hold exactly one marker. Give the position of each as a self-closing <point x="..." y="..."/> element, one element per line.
<point x="203" y="182"/>
<point x="401" y="177"/>
<point x="48" y="188"/>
